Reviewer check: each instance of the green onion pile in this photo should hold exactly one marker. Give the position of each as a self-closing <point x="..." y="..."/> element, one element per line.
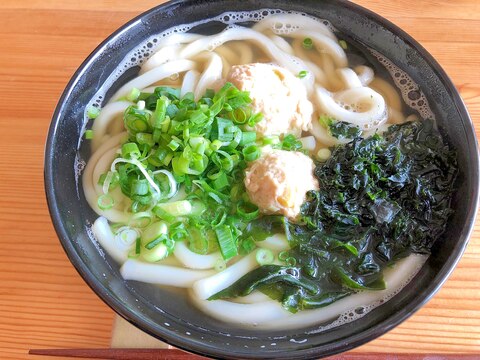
<point x="201" y="148"/>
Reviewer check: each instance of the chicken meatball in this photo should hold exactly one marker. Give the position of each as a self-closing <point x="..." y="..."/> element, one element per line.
<point x="278" y="95"/>
<point x="278" y="181"/>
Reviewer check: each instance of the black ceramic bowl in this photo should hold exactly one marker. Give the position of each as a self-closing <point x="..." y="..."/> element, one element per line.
<point x="173" y="320"/>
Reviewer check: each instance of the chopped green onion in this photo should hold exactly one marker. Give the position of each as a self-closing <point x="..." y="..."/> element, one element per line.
<point x="172" y="183"/>
<point x="89" y="134"/>
<point x="154" y="231"/>
<point x="138" y="244"/>
<point x="136" y="119"/>
<point x="126" y="236"/>
<point x="109" y="181"/>
<point x="178" y="231"/>
<point x="150" y="245"/>
<point x="133" y="95"/>
<point x="219" y="131"/>
<point x="217" y="106"/>
<point x="264" y="256"/>
<point x="255" y="119"/>
<point x="241" y="116"/>
<point x="237" y="138"/>
<point x="140" y="220"/>
<point x="172" y="110"/>
<point x="247" y="211"/>
<point x="93" y="112"/>
<point x="101" y="179"/>
<point x="190" y="142"/>
<point x="198" y="208"/>
<point x="219" y="219"/>
<point x="198" y="144"/>
<point x="165" y="125"/>
<point x="158" y="156"/>
<point x="167" y="159"/>
<point x="291" y="143"/>
<point x="159" y="115"/>
<point x="220" y="265"/>
<point x="302" y="74"/>
<point x="248" y="137"/>
<point x="173" y="145"/>
<point x="236" y="192"/>
<point x="283" y="256"/>
<point x="144" y="139"/>
<point x="202" y="184"/>
<point x="105" y="202"/>
<point x="307" y="43"/>
<point x="225" y="162"/>
<point x="162" y="214"/>
<point x="226" y="242"/>
<point x="343" y="44"/>
<point x="215" y="197"/>
<point x="170" y="244"/>
<point x="231" y="129"/>
<point x="215" y="145"/>
<point x="291" y="261"/>
<point x="156" y="253"/>
<point x="167" y="91"/>
<point x="220" y="182"/>
<point x="271" y="140"/>
<point x="251" y="152"/>
<point x="324" y="154"/>
<point x="140" y="166"/>
<point x="130" y="151"/>
<point x="198" y="117"/>
<point x="325" y="121"/>
<point x="198" y="242"/>
<point x="143" y="96"/>
<point x="248" y="245"/>
<point x="140" y="187"/>
<point x="175" y="208"/>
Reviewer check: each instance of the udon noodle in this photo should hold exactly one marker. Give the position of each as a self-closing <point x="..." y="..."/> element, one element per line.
<point x="194" y="63"/>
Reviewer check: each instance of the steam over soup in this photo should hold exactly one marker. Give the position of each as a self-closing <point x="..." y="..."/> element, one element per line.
<point x="267" y="170"/>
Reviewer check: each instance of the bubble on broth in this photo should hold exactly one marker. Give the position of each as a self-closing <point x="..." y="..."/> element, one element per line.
<point x="411" y="93"/>
<point x="78" y="166"/>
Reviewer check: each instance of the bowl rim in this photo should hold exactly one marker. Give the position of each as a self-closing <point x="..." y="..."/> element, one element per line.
<point x="204" y="349"/>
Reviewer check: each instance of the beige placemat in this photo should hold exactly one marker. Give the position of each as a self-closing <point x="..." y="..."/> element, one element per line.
<point x="125" y="335"/>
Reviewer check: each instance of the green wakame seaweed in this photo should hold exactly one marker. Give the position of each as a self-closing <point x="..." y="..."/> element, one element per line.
<point x="381" y="199"/>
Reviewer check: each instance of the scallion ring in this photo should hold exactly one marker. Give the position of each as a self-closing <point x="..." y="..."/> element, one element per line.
<point x="140" y="167"/>
<point x="247" y="211"/>
<point x="105" y="202"/>
<point x="264" y="256"/>
<point x="171" y="180"/>
<point x="141" y="219"/>
<point x="126" y="237"/>
<point x="307" y="43"/>
<point x="251" y="152"/>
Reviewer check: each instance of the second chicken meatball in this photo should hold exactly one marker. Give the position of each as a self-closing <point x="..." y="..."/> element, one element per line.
<point x="279" y="180"/>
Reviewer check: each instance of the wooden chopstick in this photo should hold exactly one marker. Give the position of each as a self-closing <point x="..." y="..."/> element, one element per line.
<point x="174" y="354"/>
<point x="119" y="354"/>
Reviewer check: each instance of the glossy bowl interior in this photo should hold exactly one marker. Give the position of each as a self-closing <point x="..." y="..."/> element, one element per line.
<point x="172" y="319"/>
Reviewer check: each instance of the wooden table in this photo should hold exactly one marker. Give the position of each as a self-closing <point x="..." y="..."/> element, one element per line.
<point x="43" y="301"/>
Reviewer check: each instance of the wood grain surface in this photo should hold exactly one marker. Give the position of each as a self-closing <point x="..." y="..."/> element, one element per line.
<point x="43" y="301"/>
